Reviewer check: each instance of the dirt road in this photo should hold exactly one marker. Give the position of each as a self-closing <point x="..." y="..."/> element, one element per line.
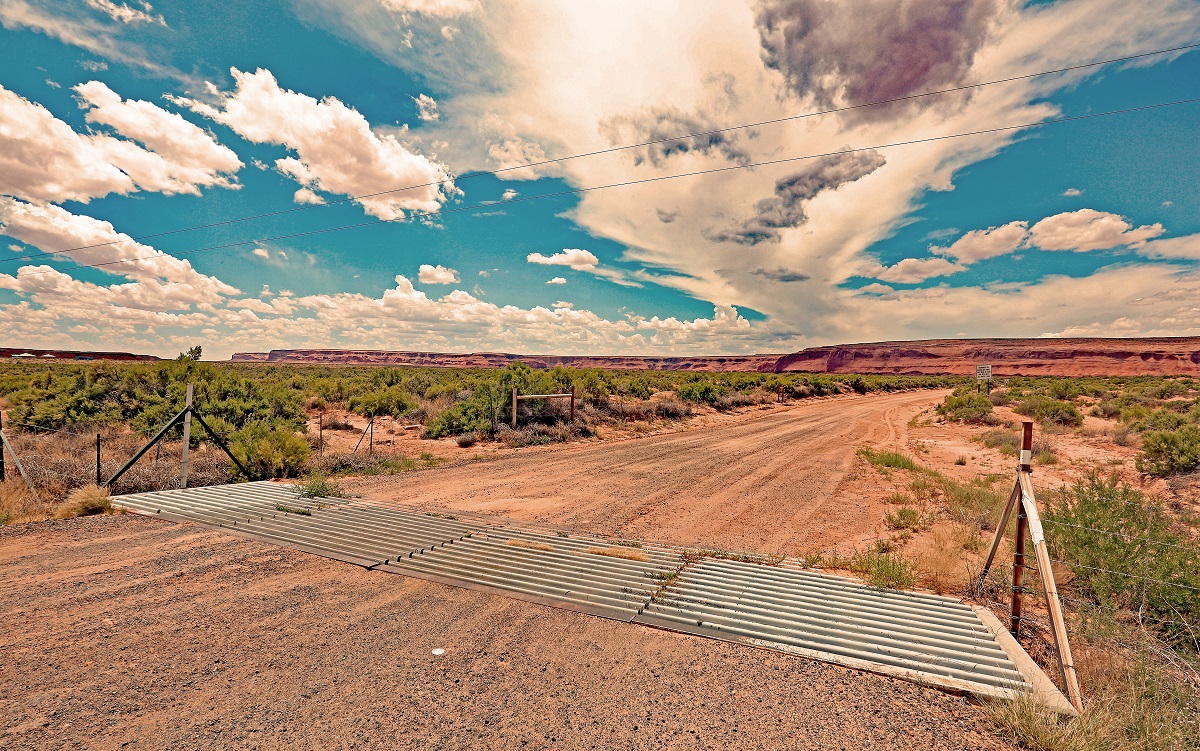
<point x="125" y="632"/>
<point x="777" y="482"/>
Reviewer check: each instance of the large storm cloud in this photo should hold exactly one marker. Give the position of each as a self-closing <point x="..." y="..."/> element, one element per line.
<point x="843" y="53"/>
<point x="665" y="125"/>
<point x="786" y="208"/>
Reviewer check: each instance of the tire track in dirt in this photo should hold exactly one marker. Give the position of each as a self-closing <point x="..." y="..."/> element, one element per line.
<point x="770" y="482"/>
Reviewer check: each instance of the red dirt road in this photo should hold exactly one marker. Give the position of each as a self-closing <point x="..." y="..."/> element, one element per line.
<point x="125" y="632"/>
<point x="777" y="482"/>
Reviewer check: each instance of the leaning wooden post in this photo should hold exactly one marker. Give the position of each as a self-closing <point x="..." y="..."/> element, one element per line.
<point x="1058" y="626"/>
<point x="514" y="414"/>
<point x="187" y="434"/>
<point x="371" y="442"/>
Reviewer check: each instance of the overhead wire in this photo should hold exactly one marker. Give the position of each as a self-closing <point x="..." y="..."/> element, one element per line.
<point x="626" y="147"/>
<point x="661" y="178"/>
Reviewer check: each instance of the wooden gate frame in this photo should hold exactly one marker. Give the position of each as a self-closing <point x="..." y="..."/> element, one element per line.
<point x="526" y="397"/>
<point x="1028" y="520"/>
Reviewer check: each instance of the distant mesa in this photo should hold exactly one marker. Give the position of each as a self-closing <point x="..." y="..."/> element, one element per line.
<point x="742" y="363"/>
<point x="15" y="353"/>
<point x="1008" y="357"/>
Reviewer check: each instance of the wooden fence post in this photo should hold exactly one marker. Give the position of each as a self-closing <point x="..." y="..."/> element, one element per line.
<point x="1" y="448"/>
<point x="572" y="403"/>
<point x="97" y="458"/>
<point x="187" y="434"/>
<point x="514" y="414"/>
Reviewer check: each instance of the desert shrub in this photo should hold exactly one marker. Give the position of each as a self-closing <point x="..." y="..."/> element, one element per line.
<point x="999" y="398"/>
<point x="639" y="388"/>
<point x="318" y="485"/>
<point x="85" y="500"/>
<point x="1166" y="452"/>
<point x="903" y="518"/>
<point x="733" y="401"/>
<point x="884" y="569"/>
<point x="1050" y="411"/>
<point x="540" y="435"/>
<point x="671" y="408"/>
<point x="392" y="400"/>
<point x="1136" y="553"/>
<point x="1120" y="435"/>
<point x="967" y="406"/>
<point x="1006" y="441"/>
<point x="1109" y="410"/>
<point x="269" y="452"/>
<point x="702" y="392"/>
<point x="1161" y="419"/>
<point x="476" y="413"/>
<point x="466" y="440"/>
<point x="891" y="459"/>
<point x="973" y="504"/>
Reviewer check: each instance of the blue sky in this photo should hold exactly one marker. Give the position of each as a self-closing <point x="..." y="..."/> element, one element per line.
<point x="120" y="121"/>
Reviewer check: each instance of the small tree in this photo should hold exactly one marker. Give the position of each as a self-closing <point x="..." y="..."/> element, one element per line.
<point x="192" y="355"/>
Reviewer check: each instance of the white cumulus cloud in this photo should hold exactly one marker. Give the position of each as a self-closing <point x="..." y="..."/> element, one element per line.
<point x="427" y="108"/>
<point x="979" y="244"/>
<point x="576" y="258"/>
<point x="915" y="270"/>
<point x="52" y="228"/>
<point x="557" y="280"/>
<point x="336" y="149"/>
<point x="439" y="274"/>
<point x="1088" y="229"/>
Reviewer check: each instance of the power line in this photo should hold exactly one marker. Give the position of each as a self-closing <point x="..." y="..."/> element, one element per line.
<point x="615" y="149"/>
<point x="627" y="183"/>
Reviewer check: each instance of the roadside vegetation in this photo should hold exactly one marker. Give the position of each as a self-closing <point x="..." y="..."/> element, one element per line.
<point x="54" y="410"/>
<point x="1127" y="563"/>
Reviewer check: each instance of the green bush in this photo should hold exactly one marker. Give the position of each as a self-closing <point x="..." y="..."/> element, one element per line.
<point x="391" y="400"/>
<point x="967" y="406"/>
<point x="1115" y="566"/>
<point x="1166" y="452"/>
<point x="1050" y="411"/>
<point x="270" y="452"/>
<point x="702" y="392"/>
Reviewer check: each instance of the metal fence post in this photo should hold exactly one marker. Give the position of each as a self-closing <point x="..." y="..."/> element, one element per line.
<point x="1018" y="569"/>
<point x="187" y="434"/>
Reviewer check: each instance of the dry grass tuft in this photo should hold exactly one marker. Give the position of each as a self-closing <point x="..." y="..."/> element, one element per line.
<point x="628" y="554"/>
<point x="517" y="543"/>
<point x="18" y="505"/>
<point x="85" y="500"/>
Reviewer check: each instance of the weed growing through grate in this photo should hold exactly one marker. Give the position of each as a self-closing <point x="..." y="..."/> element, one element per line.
<point x="626" y="553"/>
<point x="519" y="543"/>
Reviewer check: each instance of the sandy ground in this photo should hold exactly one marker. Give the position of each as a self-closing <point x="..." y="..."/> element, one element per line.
<point x="781" y="480"/>
<point x="123" y="632"/>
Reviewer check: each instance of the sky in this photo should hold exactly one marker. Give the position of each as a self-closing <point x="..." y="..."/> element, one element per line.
<point x="635" y="177"/>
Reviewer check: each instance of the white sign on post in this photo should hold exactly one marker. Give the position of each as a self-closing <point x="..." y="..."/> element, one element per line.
<point x="983" y="372"/>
